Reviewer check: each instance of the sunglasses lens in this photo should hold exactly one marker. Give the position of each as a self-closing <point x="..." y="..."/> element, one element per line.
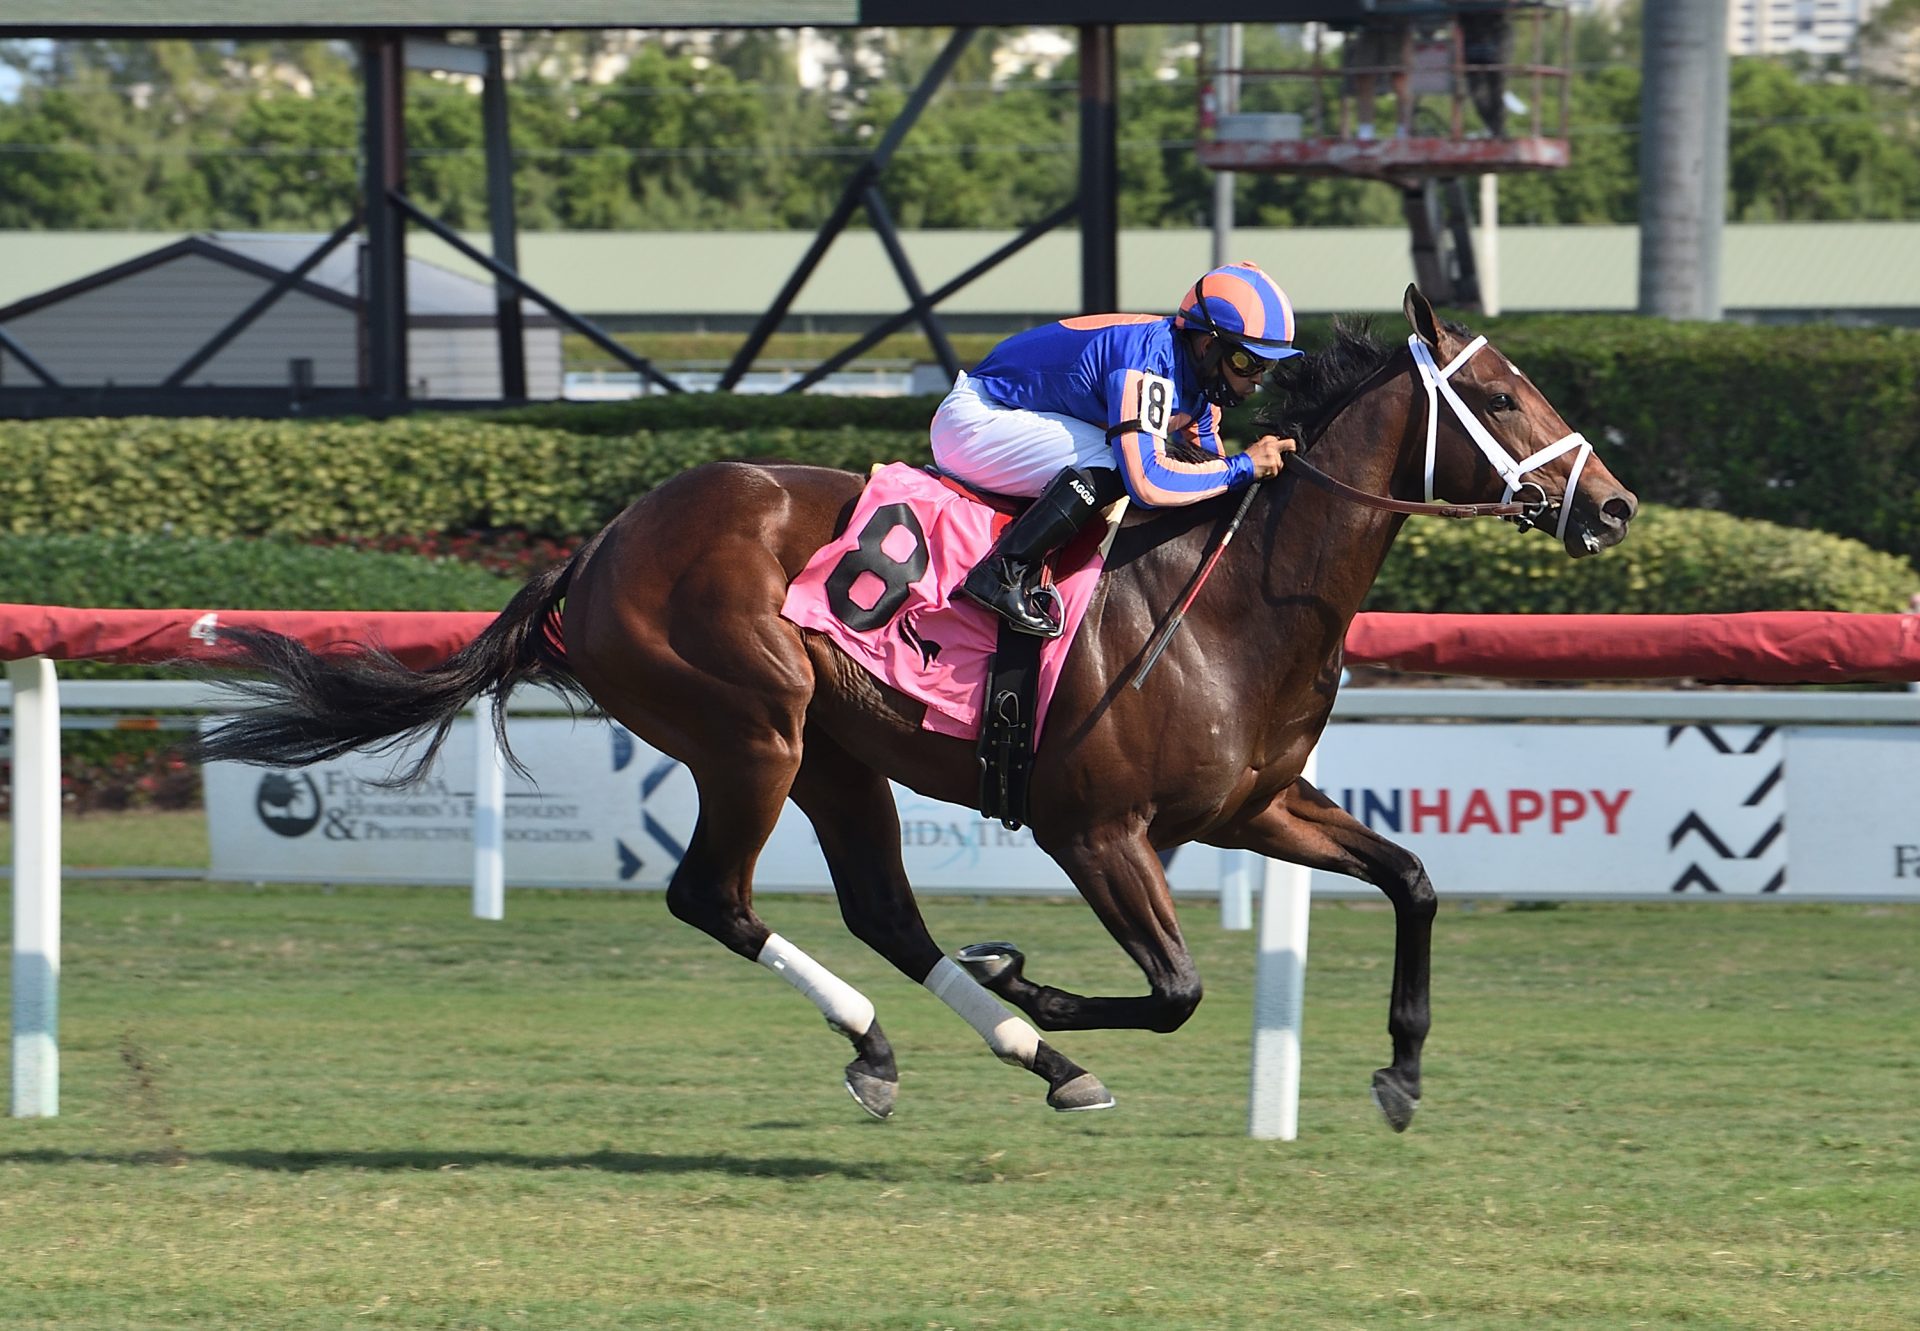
<point x="1244" y="363"/>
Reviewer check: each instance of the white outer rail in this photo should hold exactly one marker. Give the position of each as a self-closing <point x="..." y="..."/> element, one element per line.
<point x="36" y="887"/>
<point x="34" y="694"/>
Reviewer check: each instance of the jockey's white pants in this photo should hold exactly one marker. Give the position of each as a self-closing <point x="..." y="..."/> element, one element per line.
<point x="1007" y="450"/>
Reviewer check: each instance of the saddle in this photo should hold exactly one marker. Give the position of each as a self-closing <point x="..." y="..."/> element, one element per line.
<point x="885" y="591"/>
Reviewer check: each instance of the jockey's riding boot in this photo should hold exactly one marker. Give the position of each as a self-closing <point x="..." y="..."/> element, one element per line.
<point x="1007" y="580"/>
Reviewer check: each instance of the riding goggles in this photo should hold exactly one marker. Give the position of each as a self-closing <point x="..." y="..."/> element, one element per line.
<point x="1245" y="363"/>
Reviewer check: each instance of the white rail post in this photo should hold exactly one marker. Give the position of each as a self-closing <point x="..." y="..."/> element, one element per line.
<point x="36" y="888"/>
<point x="489" y="818"/>
<point x="1279" y="998"/>
<point x="1236" y="888"/>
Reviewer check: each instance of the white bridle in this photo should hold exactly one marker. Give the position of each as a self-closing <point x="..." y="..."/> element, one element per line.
<point x="1512" y="471"/>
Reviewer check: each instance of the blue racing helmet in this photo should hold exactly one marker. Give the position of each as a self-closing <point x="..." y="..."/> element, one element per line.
<point x="1251" y="321"/>
<point x="1241" y="304"/>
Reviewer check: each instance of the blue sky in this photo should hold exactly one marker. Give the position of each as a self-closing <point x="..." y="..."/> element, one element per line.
<point x="10" y="81"/>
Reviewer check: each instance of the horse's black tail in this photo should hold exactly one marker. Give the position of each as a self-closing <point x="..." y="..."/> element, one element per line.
<point x="312" y="706"/>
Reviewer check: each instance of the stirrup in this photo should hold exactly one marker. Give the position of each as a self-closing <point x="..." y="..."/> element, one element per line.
<point x="1047" y="619"/>
<point x="1037" y="612"/>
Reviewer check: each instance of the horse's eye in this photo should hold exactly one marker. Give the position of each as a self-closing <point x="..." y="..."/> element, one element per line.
<point x="1501" y="402"/>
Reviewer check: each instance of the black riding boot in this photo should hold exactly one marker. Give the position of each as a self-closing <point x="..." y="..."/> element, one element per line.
<point x="1006" y="581"/>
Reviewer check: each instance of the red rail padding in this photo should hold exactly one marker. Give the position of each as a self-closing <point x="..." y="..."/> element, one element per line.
<point x="419" y="638"/>
<point x="1783" y="647"/>
<point x="1796" y="647"/>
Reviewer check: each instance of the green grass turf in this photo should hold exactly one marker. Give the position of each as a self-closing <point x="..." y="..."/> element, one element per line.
<point x="284" y="1108"/>
<point x="159" y="838"/>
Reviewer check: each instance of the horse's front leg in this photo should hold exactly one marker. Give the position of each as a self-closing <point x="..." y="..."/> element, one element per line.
<point x="1121" y="878"/>
<point x="1303" y="826"/>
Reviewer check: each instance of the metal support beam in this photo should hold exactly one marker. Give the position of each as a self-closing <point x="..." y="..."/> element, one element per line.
<point x="865" y="176"/>
<point x="501" y="217"/>
<point x="261" y="304"/>
<point x="592" y="332"/>
<point x="1099" y="173"/>
<point x="383" y="280"/>
<point x="13" y="348"/>
<point x="887" y="327"/>
<point x="882" y="219"/>
<point x="1226" y="93"/>
<point x="1419" y="203"/>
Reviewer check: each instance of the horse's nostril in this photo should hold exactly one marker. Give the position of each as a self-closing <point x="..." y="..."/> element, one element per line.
<point x="1618" y="511"/>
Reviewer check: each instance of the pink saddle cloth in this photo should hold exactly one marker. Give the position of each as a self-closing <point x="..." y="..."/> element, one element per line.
<point x="883" y="591"/>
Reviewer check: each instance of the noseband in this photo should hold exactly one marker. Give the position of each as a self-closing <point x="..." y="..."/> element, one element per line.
<point x="1512" y="471"/>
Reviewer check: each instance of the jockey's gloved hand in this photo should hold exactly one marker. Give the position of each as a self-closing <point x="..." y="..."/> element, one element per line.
<point x="1269" y="455"/>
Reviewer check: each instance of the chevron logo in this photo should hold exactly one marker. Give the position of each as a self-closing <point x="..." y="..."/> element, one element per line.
<point x="1765" y="788"/>
<point x="1694" y="823"/>
<point x="1712" y="736"/>
<point x="1765" y="794"/>
<point x="1695" y="876"/>
<point x="630" y="863"/>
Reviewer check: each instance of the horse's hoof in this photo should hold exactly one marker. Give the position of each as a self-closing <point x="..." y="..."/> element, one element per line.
<point x="1392" y="1099"/>
<point x="1080" y="1094"/>
<point x="871" y="1093"/>
<point x="991" y="964"/>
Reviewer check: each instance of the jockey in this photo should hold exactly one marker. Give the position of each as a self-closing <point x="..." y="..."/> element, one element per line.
<point x="1083" y="411"/>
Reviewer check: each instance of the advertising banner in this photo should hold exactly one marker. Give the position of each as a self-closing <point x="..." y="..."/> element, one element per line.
<point x="1569" y="810"/>
<point x="1855" y="796"/>
<point x="602" y="810"/>
<point x="1542" y="811"/>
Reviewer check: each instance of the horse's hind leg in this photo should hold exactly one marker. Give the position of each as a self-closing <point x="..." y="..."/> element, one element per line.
<point x="734" y="714"/>
<point x="853" y="814"/>
<point x="1303" y="826"/>
<point x="712" y="890"/>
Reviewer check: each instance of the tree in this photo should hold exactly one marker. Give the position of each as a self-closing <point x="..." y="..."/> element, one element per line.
<point x="713" y="130"/>
<point x="1805" y="150"/>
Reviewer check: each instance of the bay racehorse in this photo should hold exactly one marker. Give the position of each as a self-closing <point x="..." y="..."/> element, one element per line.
<point x="669" y="621"/>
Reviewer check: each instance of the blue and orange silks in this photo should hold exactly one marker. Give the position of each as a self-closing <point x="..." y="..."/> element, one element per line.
<point x="1132" y="374"/>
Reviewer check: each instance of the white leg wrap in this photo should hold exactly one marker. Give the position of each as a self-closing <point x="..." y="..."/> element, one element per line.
<point x="1007" y="1035"/>
<point x="845" y="1007"/>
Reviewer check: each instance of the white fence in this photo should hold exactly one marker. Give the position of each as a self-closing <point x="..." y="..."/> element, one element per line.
<point x="1685" y="792"/>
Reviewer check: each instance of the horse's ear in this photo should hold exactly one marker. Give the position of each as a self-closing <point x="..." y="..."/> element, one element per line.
<point x="1420" y="315"/>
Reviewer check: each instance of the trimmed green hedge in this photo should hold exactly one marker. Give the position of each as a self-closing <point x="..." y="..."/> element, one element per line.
<point x="1812" y="427"/>
<point x="1809" y="426"/>
<point x="1673" y="561"/>
<point x="907" y="415"/>
<point x="371" y="478"/>
<point x="159" y="572"/>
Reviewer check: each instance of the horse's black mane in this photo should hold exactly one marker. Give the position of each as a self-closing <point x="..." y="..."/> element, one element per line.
<point x="1303" y="391"/>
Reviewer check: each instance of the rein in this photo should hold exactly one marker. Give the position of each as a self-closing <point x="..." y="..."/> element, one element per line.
<point x="1389" y="504"/>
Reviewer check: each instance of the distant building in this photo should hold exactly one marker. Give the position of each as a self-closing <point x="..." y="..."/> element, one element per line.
<point x="136" y="321"/>
<point x="1805" y="27"/>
